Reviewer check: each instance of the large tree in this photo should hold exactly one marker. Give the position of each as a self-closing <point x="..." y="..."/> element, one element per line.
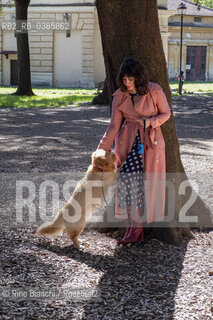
<point x="24" y="74"/>
<point x="131" y="28"/>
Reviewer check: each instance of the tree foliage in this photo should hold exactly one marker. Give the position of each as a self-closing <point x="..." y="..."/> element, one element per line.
<point x="206" y="3"/>
<point x="7" y="3"/>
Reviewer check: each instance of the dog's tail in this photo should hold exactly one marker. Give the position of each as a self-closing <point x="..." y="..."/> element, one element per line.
<point x="52" y="228"/>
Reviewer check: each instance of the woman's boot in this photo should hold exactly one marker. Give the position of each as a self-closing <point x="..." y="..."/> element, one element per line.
<point x="135" y="233"/>
<point x="126" y="232"/>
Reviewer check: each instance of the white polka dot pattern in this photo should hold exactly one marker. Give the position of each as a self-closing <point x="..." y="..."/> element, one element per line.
<point x="131" y="178"/>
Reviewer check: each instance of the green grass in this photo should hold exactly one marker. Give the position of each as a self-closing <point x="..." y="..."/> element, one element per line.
<point x="52" y="98"/>
<point x="195" y="87"/>
<point x="45" y="98"/>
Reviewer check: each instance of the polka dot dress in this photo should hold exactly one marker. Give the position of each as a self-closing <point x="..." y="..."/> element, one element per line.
<point x="131" y="178"/>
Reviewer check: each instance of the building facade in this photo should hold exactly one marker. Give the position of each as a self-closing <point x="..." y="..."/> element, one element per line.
<point x="74" y="57"/>
<point x="197" y="62"/>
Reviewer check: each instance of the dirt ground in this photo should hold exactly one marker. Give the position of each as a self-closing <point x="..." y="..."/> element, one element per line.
<point x="47" y="278"/>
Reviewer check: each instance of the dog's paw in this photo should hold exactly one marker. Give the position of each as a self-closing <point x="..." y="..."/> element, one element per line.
<point x="82" y="246"/>
<point x="76" y="243"/>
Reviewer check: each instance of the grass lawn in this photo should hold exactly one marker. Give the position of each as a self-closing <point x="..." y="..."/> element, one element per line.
<point x="193" y="87"/>
<point x="45" y="98"/>
<point x="51" y="97"/>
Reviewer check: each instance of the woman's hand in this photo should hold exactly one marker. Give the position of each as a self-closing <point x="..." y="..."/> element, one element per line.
<point x="141" y="121"/>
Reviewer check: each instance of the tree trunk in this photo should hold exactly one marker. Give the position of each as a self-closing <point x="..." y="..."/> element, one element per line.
<point x="24" y="75"/>
<point x="102" y="97"/>
<point x="131" y="28"/>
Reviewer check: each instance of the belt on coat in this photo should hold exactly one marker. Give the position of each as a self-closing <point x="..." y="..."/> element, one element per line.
<point x="150" y="132"/>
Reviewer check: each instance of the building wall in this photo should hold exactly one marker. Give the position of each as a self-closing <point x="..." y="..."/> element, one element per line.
<point x="48" y="48"/>
<point x="8" y="43"/>
<point x="163" y="22"/>
<point x="57" y="60"/>
<point x="163" y="3"/>
<point x="99" y="67"/>
<point x="68" y="59"/>
<point x="59" y="2"/>
<point x="60" y="61"/>
<point x="194" y="34"/>
<point x="210" y="60"/>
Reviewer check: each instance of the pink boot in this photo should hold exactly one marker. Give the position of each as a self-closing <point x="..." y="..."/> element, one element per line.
<point x="126" y="232"/>
<point x="135" y="233"/>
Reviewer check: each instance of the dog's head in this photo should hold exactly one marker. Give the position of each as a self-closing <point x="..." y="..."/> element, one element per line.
<point x="103" y="160"/>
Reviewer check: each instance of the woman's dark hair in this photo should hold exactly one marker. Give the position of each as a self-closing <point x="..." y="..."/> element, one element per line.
<point x="131" y="67"/>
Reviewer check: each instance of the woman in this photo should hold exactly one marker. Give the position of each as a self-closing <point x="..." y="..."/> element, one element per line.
<point x="139" y="144"/>
<point x="181" y="78"/>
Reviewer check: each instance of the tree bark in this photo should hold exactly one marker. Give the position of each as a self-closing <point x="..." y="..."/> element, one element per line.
<point x="24" y="75"/>
<point x="131" y="28"/>
<point x="102" y="97"/>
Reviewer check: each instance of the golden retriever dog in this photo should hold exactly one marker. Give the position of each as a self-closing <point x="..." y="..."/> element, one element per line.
<point x="89" y="195"/>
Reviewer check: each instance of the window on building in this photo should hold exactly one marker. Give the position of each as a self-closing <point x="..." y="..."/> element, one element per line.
<point x="197" y="19"/>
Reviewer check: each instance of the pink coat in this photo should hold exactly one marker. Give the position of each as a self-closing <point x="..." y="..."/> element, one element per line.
<point x="154" y="106"/>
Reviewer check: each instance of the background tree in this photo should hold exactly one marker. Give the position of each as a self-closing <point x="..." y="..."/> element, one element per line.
<point x="24" y="74"/>
<point x="131" y="28"/>
<point x="102" y="97"/>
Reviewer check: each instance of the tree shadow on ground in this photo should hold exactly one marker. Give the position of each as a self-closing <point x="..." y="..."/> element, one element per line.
<point x="22" y="269"/>
<point x="65" y="137"/>
<point x="44" y="138"/>
<point x="193" y="117"/>
<point x="139" y="281"/>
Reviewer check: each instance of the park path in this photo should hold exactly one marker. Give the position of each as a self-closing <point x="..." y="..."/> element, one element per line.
<point x="150" y="281"/>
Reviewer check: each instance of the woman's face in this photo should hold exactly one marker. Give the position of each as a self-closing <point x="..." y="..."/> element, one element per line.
<point x="129" y="83"/>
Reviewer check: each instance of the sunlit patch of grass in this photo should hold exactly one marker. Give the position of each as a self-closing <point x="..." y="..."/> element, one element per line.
<point x="45" y="98"/>
<point x="53" y="98"/>
<point x="193" y="87"/>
